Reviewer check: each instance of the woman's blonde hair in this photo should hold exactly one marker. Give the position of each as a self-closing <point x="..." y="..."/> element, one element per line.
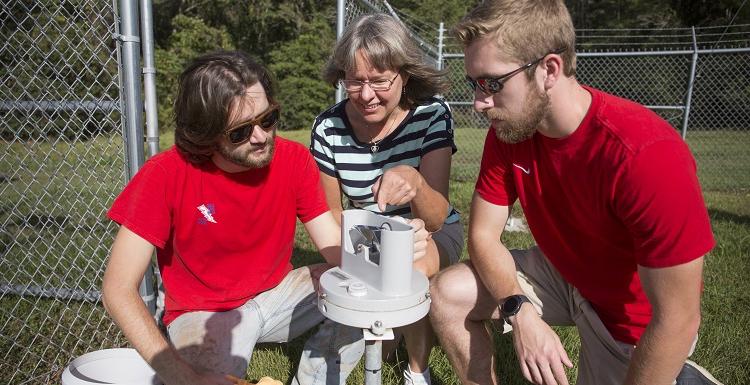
<point x="388" y="46"/>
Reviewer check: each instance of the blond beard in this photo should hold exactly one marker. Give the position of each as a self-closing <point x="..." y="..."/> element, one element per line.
<point x="515" y="129"/>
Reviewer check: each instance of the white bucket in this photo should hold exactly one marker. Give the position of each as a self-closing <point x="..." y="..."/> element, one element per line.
<point x="110" y="366"/>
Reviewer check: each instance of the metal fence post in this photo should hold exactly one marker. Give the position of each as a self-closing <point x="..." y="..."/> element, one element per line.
<point x="152" y="140"/>
<point x="340" y="13"/>
<point x="133" y="104"/>
<point x="133" y="113"/>
<point x="691" y="82"/>
<point x="440" y="46"/>
<point x="149" y="77"/>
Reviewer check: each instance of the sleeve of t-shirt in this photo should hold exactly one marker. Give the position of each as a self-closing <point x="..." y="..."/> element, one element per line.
<point x="440" y="132"/>
<point x="495" y="182"/>
<point x="659" y="199"/>
<point x="142" y="205"/>
<point x="321" y="149"/>
<point x="311" y="199"/>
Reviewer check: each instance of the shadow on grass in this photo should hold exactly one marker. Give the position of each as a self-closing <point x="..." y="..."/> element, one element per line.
<point x="305" y="257"/>
<point x="721" y="215"/>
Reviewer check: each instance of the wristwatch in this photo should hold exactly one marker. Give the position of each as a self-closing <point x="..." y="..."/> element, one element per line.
<point x="512" y="305"/>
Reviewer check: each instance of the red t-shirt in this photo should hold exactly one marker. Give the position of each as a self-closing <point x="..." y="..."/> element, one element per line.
<point x="619" y="192"/>
<point x="221" y="238"/>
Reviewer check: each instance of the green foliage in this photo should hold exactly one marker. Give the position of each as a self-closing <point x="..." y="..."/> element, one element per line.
<point x="297" y="65"/>
<point x="295" y="37"/>
<point x="655" y="13"/>
<point x="622" y="14"/>
<point x="190" y="38"/>
<point x="435" y="11"/>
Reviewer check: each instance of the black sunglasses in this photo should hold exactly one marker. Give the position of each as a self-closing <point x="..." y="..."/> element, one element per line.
<point x="494" y="85"/>
<point x="267" y="120"/>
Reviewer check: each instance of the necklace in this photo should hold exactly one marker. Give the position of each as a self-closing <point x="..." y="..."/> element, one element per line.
<point x="375" y="144"/>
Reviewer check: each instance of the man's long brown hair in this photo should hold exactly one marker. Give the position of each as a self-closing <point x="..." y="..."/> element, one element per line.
<point x="207" y="89"/>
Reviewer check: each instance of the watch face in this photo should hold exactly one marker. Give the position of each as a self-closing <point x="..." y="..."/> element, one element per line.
<point x="511" y="305"/>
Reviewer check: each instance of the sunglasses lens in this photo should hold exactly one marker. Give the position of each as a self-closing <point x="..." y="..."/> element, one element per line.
<point x="482" y="83"/>
<point x="494" y="86"/>
<point x="270" y="120"/>
<point x="267" y="121"/>
<point x="489" y="86"/>
<point x="241" y="133"/>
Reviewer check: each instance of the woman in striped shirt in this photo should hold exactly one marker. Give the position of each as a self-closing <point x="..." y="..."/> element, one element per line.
<point x="387" y="148"/>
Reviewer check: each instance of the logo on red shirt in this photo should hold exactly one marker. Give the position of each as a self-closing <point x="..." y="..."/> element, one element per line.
<point x="207" y="210"/>
<point x="526" y="170"/>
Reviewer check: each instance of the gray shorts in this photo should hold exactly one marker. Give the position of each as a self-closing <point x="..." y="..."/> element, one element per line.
<point x="450" y="243"/>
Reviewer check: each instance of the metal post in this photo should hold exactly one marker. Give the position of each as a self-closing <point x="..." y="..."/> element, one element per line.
<point x="440" y="46"/>
<point x="148" y="289"/>
<point x="373" y="362"/>
<point x="340" y="13"/>
<point x="133" y="112"/>
<point x="149" y="77"/>
<point x="133" y="104"/>
<point x="691" y="82"/>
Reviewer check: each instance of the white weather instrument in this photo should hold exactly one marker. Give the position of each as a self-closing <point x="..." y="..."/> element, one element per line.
<point x="376" y="287"/>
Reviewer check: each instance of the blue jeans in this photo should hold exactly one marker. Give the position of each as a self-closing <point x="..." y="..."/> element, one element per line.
<point x="223" y="342"/>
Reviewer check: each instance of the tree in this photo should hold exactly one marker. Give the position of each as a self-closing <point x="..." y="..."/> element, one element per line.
<point x="656" y="13"/>
<point x="435" y="11"/>
<point x="190" y="38"/>
<point x="297" y="65"/>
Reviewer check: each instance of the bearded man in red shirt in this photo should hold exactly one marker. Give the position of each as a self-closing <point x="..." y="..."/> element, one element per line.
<point x="611" y="197"/>
<point x="220" y="209"/>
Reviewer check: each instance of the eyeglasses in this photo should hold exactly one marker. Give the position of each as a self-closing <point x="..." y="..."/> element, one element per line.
<point x="375" y="85"/>
<point x="267" y="120"/>
<point x="495" y="85"/>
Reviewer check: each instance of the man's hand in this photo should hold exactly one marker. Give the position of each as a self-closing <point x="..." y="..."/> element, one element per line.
<point x="190" y="377"/>
<point x="540" y="352"/>
<point x="316" y="271"/>
<point x="262" y="381"/>
<point x="398" y="186"/>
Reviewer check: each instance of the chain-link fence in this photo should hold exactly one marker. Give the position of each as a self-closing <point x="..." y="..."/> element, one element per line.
<point x="697" y="79"/>
<point x="61" y="164"/>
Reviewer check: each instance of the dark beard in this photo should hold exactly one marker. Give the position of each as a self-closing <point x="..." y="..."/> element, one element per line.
<point x="242" y="157"/>
<point x="516" y="129"/>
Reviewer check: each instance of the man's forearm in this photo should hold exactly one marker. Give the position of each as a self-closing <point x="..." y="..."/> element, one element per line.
<point x="661" y="351"/>
<point x="129" y="312"/>
<point x="495" y="266"/>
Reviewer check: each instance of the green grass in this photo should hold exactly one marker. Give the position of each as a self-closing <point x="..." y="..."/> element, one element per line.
<point x="723" y="159"/>
<point x="53" y="233"/>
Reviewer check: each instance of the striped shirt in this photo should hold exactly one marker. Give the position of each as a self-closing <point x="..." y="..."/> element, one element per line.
<point x="340" y="154"/>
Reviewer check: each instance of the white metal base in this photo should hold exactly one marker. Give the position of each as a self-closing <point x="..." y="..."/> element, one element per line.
<point x="370" y="308"/>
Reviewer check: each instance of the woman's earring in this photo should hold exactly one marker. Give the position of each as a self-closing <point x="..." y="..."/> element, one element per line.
<point x="403" y="91"/>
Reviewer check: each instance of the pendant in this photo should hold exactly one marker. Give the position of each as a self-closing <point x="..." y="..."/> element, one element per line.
<point x="374" y="148"/>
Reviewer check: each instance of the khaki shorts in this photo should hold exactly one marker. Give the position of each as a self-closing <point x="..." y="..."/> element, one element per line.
<point x="223" y="342"/>
<point x="602" y="359"/>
